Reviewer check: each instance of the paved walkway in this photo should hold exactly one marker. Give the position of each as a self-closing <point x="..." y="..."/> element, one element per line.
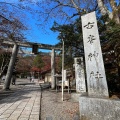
<point x="22" y="105"/>
<point x="25" y="105"/>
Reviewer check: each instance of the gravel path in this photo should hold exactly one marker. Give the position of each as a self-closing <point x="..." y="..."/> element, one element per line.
<point x="53" y="108"/>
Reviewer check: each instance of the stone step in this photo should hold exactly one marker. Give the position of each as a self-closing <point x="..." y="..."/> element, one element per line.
<point x="76" y="117"/>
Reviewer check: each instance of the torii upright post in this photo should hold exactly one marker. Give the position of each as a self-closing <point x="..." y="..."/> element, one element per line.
<point x="10" y="67"/>
<point x="53" y="69"/>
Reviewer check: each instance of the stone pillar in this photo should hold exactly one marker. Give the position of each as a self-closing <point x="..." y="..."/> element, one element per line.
<point x="10" y="67"/>
<point x="95" y="106"/>
<point x="53" y="69"/>
<point x="79" y="75"/>
<point x="96" y="78"/>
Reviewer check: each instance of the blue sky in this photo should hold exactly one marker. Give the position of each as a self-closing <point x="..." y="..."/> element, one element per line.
<point x="40" y="34"/>
<point x="37" y="34"/>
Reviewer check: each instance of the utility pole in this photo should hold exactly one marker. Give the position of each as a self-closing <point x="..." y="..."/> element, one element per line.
<point x="62" y="70"/>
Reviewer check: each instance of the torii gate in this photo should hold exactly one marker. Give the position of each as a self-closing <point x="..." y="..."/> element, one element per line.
<point x="29" y="45"/>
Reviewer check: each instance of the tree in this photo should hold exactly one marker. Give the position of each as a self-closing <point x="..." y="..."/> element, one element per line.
<point x="12" y="32"/>
<point x="26" y="61"/>
<point x="72" y="36"/>
<point x="109" y="35"/>
<point x="12" y="25"/>
<point x="4" y="61"/>
<point x="105" y="10"/>
<point x="38" y="62"/>
<point x="68" y="9"/>
<point x="11" y="28"/>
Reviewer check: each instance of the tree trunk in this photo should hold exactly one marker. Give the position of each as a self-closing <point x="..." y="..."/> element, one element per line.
<point x="117" y="56"/>
<point x="104" y="10"/>
<point x="10" y="67"/>
<point x="102" y="7"/>
<point x="115" y="11"/>
<point x="3" y="66"/>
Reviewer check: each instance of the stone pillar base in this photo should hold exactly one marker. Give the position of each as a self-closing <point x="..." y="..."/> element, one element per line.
<point x="75" y="96"/>
<point x="99" y="109"/>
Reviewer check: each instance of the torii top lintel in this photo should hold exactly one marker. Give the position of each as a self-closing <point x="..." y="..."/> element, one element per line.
<point x="30" y="44"/>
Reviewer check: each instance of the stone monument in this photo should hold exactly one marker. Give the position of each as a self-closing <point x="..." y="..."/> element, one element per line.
<point x="96" y="78"/>
<point x="79" y="78"/>
<point x="97" y="105"/>
<point x="79" y="75"/>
